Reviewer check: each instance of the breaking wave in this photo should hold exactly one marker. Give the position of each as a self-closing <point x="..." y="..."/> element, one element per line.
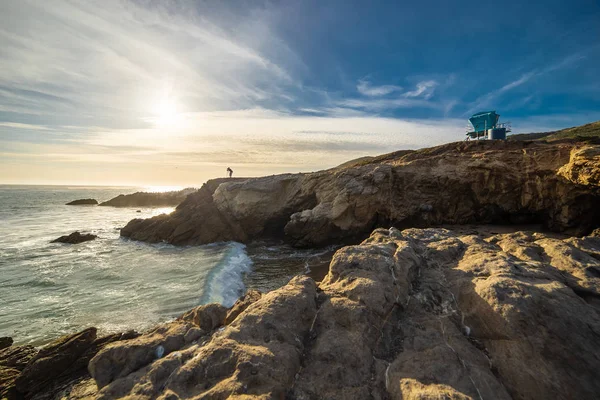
<point x="224" y="283"/>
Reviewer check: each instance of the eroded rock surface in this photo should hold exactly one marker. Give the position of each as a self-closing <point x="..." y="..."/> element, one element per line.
<point x="556" y="184"/>
<point x="413" y="314"/>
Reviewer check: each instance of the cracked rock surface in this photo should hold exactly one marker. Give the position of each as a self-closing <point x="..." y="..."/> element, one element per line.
<point x="413" y="314"/>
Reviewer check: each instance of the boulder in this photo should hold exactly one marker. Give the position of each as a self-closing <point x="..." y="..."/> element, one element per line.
<point x="5" y="342"/>
<point x="83" y="202"/>
<point x="206" y="317"/>
<point x="75" y="238"/>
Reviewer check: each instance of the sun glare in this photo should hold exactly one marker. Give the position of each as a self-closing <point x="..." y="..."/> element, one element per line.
<point x="166" y="111"/>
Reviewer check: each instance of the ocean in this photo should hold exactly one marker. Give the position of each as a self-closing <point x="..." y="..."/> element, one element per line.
<point x="115" y="284"/>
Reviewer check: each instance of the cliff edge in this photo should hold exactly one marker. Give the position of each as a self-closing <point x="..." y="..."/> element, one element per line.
<point x="552" y="183"/>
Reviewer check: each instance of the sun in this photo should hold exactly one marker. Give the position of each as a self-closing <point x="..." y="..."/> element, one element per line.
<point x="167" y="113"/>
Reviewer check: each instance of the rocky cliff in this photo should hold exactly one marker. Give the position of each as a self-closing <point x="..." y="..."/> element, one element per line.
<point x="552" y="183"/>
<point x="413" y="314"/>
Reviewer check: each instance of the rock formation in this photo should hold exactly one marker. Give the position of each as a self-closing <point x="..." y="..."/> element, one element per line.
<point x="149" y="199"/>
<point x="5" y="342"/>
<point x="29" y="373"/>
<point x="555" y="184"/>
<point x="413" y="314"/>
<point x="82" y="202"/>
<point x="75" y="238"/>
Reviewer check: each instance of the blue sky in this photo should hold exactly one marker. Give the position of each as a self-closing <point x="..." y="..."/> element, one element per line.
<point x="173" y="92"/>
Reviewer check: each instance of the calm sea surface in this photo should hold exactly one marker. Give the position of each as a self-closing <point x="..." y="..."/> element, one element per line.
<point x="49" y="289"/>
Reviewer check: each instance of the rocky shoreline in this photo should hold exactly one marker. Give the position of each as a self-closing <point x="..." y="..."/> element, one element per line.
<point x="416" y="313"/>
<point x="504" y="182"/>
<point x="419" y="313"/>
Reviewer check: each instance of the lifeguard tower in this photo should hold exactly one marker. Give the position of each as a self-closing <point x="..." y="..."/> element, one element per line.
<point x="485" y="126"/>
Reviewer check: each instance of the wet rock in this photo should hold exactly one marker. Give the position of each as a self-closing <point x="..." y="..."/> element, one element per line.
<point x="82" y="202"/>
<point x="75" y="238"/>
<point x="5" y="342"/>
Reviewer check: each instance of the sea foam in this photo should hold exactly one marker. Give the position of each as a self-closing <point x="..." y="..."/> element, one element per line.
<point x="224" y="283"/>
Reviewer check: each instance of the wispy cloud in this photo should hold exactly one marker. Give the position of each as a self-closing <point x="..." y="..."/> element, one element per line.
<point x="424" y="89"/>
<point x="365" y="87"/>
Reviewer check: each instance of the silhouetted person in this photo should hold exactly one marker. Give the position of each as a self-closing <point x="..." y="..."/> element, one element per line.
<point x="229" y="171"/>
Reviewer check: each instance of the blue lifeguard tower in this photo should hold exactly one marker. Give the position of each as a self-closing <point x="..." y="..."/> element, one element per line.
<point x="485" y="125"/>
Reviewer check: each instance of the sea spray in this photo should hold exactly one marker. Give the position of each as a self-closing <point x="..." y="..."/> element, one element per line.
<point x="224" y="283"/>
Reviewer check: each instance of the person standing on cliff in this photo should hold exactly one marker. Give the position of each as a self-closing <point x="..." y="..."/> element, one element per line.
<point x="229" y="171"/>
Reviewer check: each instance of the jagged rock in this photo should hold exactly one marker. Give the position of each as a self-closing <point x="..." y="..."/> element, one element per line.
<point x="54" y="360"/>
<point x="16" y="356"/>
<point x="12" y="361"/>
<point x="82" y="202"/>
<point x="5" y="342"/>
<point x="413" y="314"/>
<point x="458" y="183"/>
<point x="75" y="238"/>
<point x="148" y="199"/>
<point x="583" y="167"/>
<point x="207" y="317"/>
<point x="54" y="369"/>
<point x="241" y="304"/>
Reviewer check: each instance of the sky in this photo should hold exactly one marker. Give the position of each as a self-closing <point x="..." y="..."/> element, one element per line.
<point x="173" y="92"/>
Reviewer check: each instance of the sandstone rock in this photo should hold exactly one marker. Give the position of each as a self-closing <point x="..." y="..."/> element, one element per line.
<point x="121" y="358"/>
<point x="583" y="167"/>
<point x="75" y="238"/>
<point x="458" y="183"/>
<point x="149" y="199"/>
<point x="241" y="304"/>
<point x="196" y="220"/>
<point x="413" y="314"/>
<point x="5" y="342"/>
<point x="82" y="202"/>
<point x="257" y="355"/>
<point x="207" y="317"/>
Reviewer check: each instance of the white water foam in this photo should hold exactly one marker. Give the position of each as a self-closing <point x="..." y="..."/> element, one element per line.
<point x="224" y="283"/>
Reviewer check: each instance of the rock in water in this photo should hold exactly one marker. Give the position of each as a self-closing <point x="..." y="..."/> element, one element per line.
<point x="5" y="342"/>
<point x="146" y="199"/>
<point x="422" y="313"/>
<point x="555" y="184"/>
<point x="75" y="238"/>
<point x="83" y="202"/>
